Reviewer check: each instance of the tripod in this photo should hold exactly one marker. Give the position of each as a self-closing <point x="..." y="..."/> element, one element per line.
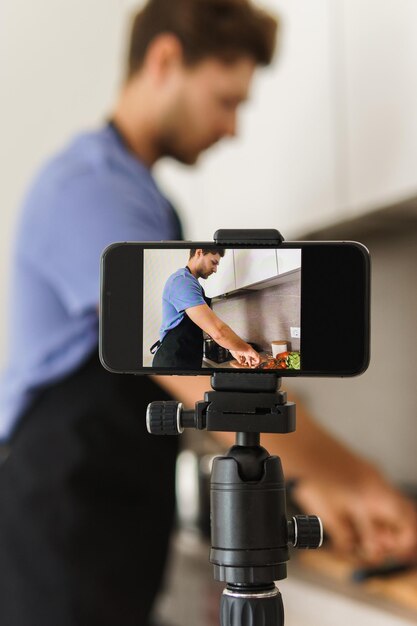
<point x="249" y="528"/>
<point x="250" y="533"/>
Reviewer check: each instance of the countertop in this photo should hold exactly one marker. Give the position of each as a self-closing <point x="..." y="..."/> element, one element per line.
<point x="228" y="364"/>
<point x="317" y="591"/>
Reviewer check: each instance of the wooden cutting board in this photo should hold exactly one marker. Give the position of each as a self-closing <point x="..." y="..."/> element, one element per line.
<point x="234" y="363"/>
<point x="400" y="588"/>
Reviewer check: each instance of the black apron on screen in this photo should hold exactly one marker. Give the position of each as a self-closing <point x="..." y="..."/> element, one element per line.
<point x="182" y="346"/>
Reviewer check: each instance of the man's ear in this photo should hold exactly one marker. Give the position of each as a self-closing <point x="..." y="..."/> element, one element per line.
<point x="164" y="54"/>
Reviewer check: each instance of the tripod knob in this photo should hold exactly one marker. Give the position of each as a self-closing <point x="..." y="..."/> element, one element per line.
<point x="305" y="531"/>
<point x="252" y="608"/>
<point x="164" y="418"/>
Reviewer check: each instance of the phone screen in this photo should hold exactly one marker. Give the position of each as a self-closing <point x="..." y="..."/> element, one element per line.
<point x="300" y="309"/>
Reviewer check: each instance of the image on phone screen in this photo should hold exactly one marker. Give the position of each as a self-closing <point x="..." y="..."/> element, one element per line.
<point x="221" y="308"/>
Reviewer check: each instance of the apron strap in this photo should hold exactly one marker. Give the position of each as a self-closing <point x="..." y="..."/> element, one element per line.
<point x="154" y="347"/>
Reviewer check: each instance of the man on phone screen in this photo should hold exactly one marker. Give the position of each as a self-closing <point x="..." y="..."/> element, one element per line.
<point x="86" y="495"/>
<point x="186" y="313"/>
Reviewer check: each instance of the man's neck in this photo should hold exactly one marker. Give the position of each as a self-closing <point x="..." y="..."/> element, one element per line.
<point x="136" y="126"/>
<point x="192" y="270"/>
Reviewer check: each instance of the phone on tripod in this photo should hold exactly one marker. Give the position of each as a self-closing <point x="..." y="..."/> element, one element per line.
<point x="299" y="309"/>
<point x="247" y="309"/>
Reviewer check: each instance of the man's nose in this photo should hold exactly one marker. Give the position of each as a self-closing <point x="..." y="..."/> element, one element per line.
<point x="215" y="268"/>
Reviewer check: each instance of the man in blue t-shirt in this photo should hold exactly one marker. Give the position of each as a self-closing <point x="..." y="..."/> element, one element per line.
<point x="186" y="313"/>
<point x="86" y="496"/>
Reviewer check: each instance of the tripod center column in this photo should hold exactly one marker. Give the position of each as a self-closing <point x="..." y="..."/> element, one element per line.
<point x="248" y="439"/>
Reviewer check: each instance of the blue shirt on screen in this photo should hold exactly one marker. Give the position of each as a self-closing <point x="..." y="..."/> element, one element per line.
<point x="91" y="194"/>
<point x="182" y="291"/>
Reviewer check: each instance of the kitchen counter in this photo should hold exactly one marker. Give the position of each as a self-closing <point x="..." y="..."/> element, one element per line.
<point x="399" y="590"/>
<point x="310" y="596"/>
<point x="209" y="363"/>
<point x="227" y="364"/>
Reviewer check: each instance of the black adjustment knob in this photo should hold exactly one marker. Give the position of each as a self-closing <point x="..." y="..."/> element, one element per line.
<point x="252" y="609"/>
<point x="305" y="531"/>
<point x="164" y="418"/>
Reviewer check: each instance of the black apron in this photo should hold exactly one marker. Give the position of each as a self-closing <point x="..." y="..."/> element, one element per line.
<point x="85" y="543"/>
<point x="182" y="347"/>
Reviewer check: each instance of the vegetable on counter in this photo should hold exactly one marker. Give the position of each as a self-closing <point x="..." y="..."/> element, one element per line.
<point x="293" y="360"/>
<point x="284" y="360"/>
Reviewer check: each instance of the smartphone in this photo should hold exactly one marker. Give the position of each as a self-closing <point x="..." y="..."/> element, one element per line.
<point x="300" y="309"/>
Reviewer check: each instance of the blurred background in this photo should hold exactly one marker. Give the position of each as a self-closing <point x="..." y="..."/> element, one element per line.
<point x="327" y="148"/>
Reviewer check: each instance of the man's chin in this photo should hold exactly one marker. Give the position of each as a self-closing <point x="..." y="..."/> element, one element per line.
<point x="191" y="158"/>
<point x="188" y="159"/>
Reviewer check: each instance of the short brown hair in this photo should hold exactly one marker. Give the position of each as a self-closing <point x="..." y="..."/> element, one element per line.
<point x="214" y="250"/>
<point x="226" y="29"/>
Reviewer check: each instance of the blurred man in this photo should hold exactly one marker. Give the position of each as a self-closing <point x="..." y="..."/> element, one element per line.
<point x="86" y="496"/>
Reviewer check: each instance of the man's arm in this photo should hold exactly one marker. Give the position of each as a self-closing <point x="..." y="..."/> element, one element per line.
<point x="361" y="511"/>
<point x="208" y="321"/>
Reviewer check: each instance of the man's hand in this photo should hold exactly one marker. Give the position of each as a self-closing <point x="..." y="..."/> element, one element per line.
<point x="222" y="334"/>
<point x="365" y="517"/>
<point x="247" y="357"/>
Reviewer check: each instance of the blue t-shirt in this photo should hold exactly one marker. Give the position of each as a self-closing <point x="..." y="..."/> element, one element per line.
<point x="91" y="194"/>
<point x="182" y="291"/>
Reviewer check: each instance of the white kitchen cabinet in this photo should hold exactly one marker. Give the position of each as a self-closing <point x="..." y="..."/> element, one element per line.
<point x="288" y="260"/>
<point x="377" y="119"/>
<point x="329" y="132"/>
<point x="224" y="279"/>
<point x="252" y="266"/>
